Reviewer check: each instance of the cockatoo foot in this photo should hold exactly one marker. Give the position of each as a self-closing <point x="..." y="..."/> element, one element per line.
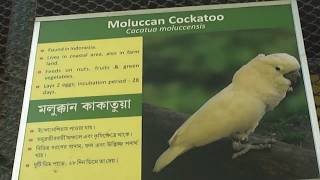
<point x="243" y="138"/>
<point x="244" y="148"/>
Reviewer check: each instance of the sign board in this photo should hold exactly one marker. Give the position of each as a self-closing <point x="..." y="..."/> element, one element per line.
<point x="90" y="74"/>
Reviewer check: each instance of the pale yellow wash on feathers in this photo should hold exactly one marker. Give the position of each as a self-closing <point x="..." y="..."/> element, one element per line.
<point x="255" y="89"/>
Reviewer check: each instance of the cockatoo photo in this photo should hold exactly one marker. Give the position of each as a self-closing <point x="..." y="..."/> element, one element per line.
<point x="256" y="88"/>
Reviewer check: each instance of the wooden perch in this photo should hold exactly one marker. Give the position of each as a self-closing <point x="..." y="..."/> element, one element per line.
<point x="213" y="161"/>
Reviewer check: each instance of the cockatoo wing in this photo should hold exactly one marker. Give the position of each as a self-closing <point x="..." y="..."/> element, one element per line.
<point x="227" y="112"/>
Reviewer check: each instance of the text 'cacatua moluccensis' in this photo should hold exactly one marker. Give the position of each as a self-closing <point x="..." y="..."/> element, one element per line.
<point x="256" y="88"/>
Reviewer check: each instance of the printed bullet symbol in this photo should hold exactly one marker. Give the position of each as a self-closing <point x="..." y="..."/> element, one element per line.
<point x="39" y="72"/>
<point x="41" y="50"/>
<point x="41" y="58"/>
<point x="37" y="86"/>
<point x="27" y="165"/>
<point x="31" y="130"/>
<point x="29" y="149"/>
<point x="30" y="140"/>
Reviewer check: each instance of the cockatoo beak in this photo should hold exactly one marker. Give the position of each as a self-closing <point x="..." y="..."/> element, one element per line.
<point x="293" y="77"/>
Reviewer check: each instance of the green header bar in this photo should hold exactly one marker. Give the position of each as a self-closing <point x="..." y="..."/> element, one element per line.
<point x="260" y="17"/>
<point x="85" y="108"/>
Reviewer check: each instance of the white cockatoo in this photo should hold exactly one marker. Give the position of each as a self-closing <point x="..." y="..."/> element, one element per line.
<point x="257" y="87"/>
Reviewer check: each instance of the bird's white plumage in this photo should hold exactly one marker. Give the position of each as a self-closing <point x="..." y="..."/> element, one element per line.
<point x="208" y="125"/>
<point x="256" y="88"/>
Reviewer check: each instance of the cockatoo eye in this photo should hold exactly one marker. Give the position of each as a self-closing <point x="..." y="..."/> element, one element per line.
<point x="277" y="68"/>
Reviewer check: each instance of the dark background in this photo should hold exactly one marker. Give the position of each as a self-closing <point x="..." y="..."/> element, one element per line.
<point x="16" y="25"/>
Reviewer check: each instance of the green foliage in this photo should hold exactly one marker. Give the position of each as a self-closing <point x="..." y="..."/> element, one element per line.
<point x="181" y="72"/>
<point x="291" y="129"/>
